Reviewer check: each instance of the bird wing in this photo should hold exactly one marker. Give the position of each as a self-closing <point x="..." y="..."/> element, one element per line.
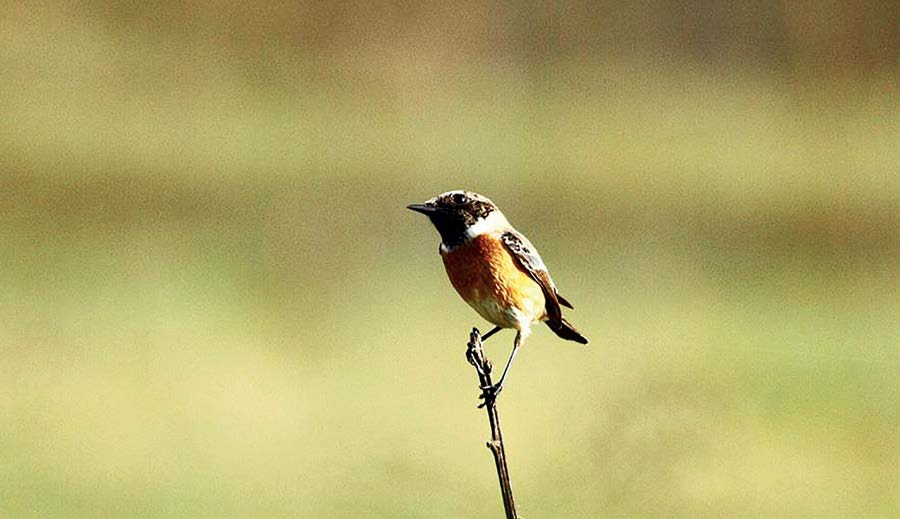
<point x="527" y="257"/>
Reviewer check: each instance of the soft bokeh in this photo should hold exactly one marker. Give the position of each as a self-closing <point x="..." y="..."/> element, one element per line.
<point x="214" y="303"/>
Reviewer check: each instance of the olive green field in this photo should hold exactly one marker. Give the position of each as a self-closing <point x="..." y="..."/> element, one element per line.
<point x="213" y="302"/>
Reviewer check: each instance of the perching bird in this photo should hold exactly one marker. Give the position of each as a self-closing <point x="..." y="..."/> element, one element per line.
<point x="495" y="269"/>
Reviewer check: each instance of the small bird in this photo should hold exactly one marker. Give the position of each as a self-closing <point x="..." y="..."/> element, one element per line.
<point x="495" y="269"/>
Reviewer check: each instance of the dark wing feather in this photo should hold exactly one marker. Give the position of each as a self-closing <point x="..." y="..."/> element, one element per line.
<point x="528" y="258"/>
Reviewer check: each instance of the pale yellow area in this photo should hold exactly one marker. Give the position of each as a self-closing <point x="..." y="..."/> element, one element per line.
<point x="213" y="302"/>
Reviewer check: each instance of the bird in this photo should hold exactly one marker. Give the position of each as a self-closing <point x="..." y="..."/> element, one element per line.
<point x="496" y="270"/>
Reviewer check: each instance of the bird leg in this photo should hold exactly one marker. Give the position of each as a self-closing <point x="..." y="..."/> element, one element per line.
<point x="494" y="390"/>
<point x="488" y="334"/>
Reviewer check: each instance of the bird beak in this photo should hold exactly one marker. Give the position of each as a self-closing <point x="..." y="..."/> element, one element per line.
<point x="422" y="208"/>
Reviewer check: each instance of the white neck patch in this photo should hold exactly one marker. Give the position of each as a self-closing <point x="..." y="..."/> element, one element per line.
<point x="493" y="222"/>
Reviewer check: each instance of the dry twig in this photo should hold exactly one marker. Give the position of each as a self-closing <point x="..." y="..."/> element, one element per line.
<point x="475" y="355"/>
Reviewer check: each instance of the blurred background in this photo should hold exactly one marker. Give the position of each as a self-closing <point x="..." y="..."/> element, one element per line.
<point x="214" y="303"/>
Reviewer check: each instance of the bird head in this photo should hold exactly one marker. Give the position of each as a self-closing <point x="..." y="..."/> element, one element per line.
<point x="461" y="215"/>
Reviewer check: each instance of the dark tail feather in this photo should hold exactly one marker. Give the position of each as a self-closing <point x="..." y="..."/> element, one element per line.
<point x="565" y="330"/>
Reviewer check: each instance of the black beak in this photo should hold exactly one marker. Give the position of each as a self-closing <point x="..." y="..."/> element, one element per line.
<point x="422" y="208"/>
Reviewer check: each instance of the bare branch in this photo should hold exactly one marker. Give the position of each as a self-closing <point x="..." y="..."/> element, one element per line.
<point x="475" y="355"/>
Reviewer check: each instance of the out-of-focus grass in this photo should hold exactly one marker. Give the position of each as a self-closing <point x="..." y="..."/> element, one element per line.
<point x="215" y="304"/>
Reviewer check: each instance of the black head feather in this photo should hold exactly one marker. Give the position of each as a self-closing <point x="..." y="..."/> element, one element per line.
<point x="453" y="212"/>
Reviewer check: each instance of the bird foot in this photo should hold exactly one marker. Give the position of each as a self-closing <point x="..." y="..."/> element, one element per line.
<point x="489" y="394"/>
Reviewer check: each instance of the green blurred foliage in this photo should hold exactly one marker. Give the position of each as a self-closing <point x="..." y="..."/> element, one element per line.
<point x="214" y="303"/>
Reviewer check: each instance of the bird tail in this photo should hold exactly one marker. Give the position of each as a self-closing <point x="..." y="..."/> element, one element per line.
<point x="567" y="331"/>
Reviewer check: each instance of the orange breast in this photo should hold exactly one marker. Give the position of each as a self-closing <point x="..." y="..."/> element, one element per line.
<point x="489" y="279"/>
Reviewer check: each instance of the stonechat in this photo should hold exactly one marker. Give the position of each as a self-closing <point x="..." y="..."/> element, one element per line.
<point x="495" y="269"/>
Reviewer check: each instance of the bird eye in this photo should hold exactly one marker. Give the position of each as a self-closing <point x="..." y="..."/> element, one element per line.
<point x="459" y="198"/>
